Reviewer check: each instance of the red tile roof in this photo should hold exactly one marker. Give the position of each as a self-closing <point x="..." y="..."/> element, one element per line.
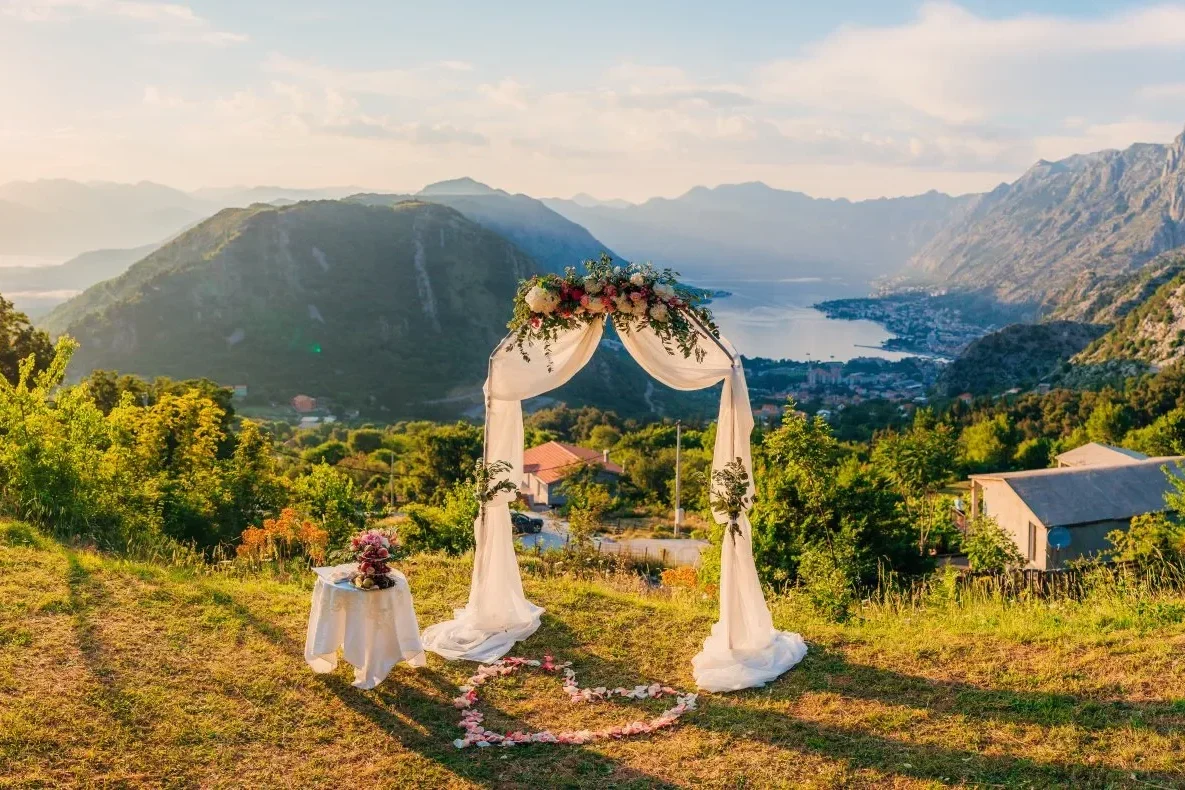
<point x="554" y="461"/>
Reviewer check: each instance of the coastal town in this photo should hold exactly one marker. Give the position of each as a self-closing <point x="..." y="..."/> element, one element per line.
<point x="921" y="323"/>
<point x="827" y="388"/>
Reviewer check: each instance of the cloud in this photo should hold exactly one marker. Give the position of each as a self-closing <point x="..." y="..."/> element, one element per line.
<point x="170" y="22"/>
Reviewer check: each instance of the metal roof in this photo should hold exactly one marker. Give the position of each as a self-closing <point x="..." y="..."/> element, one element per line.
<point x="1086" y="494"/>
<point x="1096" y="454"/>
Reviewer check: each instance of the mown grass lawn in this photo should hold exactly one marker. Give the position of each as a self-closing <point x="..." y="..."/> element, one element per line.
<point x="114" y="673"/>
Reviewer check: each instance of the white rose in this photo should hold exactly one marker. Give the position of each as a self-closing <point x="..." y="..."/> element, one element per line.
<point x="593" y="287"/>
<point x="541" y="300"/>
<point x="595" y="305"/>
<point x="659" y="312"/>
<point x="664" y="291"/>
<point x="637" y="279"/>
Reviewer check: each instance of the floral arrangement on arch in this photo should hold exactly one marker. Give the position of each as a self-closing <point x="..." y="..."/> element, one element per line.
<point x="633" y="296"/>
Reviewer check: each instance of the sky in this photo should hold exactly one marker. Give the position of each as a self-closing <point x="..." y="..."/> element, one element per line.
<point x="617" y="99"/>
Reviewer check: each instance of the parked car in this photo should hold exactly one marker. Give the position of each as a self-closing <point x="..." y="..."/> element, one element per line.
<point x="524" y="524"/>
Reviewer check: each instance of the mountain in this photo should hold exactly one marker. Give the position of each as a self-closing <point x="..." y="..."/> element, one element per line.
<point x="755" y="230"/>
<point x="76" y="274"/>
<point x="226" y="197"/>
<point x="1102" y="215"/>
<point x="1103" y="300"/>
<point x="1020" y="355"/>
<point x="585" y="200"/>
<point x="61" y="217"/>
<point x="547" y="237"/>
<point x="1153" y="332"/>
<point x="391" y="310"/>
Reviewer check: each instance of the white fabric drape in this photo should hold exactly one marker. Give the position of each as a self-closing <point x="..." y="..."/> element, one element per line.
<point x="744" y="649"/>
<point x="498" y="613"/>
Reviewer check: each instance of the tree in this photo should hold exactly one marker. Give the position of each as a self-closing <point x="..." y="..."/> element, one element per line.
<point x="603" y="437"/>
<point x="918" y="463"/>
<point x="332" y="453"/>
<point x="1109" y="422"/>
<point x="811" y="494"/>
<point x="987" y="446"/>
<point x="18" y="340"/>
<point x="441" y="458"/>
<point x="330" y="497"/>
<point x="1035" y="453"/>
<point x="587" y="501"/>
<point x="989" y="547"/>
<point x="365" y="440"/>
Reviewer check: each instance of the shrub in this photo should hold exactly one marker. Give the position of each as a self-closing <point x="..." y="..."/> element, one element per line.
<point x="448" y="528"/>
<point x="827" y="582"/>
<point x="1152" y="537"/>
<point x="284" y="538"/>
<point x="989" y="547"/>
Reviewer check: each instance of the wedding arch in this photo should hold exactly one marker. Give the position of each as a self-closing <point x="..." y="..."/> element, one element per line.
<point x="558" y="324"/>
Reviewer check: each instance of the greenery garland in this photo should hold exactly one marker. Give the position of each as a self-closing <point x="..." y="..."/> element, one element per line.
<point x="633" y="296"/>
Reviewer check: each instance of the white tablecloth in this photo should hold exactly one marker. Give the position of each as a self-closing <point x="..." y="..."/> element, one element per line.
<point x="376" y="629"/>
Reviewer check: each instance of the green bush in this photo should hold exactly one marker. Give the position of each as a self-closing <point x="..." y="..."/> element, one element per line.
<point x="989" y="547"/>
<point x="447" y="528"/>
<point x="826" y="579"/>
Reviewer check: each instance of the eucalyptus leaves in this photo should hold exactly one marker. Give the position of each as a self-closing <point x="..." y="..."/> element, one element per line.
<point x="489" y="480"/>
<point x="729" y="492"/>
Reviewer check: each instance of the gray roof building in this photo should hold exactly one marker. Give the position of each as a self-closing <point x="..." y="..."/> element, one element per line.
<point x="1090" y="501"/>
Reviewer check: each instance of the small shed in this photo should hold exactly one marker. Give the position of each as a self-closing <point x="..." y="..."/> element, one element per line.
<point x="1086" y="501"/>
<point x="1096" y="454"/>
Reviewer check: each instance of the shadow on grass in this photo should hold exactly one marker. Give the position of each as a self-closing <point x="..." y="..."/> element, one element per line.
<point x="86" y="593"/>
<point x="426" y="723"/>
<point x="831" y="672"/>
<point x="747" y="715"/>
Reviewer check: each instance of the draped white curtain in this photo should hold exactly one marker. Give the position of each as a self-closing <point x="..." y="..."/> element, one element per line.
<point x="744" y="649"/>
<point x="498" y="613"/>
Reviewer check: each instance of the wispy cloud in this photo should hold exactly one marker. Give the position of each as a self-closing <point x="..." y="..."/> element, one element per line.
<point x="169" y="22"/>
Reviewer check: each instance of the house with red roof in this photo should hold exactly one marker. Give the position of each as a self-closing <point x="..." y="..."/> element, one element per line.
<point x="547" y="466"/>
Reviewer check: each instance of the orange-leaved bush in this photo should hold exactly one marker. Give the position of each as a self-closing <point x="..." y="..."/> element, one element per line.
<point x="283" y="538"/>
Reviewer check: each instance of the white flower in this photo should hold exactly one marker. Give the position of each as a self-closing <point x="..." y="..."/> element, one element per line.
<point x="664" y="291"/>
<point x="593" y="287"/>
<point x="617" y="270"/>
<point x="659" y="312"/>
<point x="541" y="300"/>
<point x="637" y="279"/>
<point x="595" y="305"/>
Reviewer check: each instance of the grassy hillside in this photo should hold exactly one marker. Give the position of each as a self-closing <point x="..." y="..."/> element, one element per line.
<point x="121" y="673"/>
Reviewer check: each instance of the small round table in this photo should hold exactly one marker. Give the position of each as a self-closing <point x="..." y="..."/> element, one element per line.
<point x="375" y="629"/>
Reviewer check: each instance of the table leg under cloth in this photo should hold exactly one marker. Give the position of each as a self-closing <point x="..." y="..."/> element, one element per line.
<point x="375" y="629"/>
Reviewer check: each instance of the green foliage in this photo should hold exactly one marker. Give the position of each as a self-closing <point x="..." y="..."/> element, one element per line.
<point x="448" y="528"/>
<point x="826" y="577"/>
<point x="1108" y="422"/>
<point x="812" y="494"/>
<point x="442" y="457"/>
<point x="18" y="340"/>
<point x="989" y="548"/>
<point x="918" y="462"/>
<point x="988" y="446"/>
<point x="331" y="452"/>
<point x="365" y="440"/>
<point x="330" y="498"/>
<point x="1035" y="453"/>
<point x="587" y="501"/>
<point x="1152" y="538"/>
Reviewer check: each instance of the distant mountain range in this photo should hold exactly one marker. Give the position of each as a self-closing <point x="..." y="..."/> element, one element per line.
<point x="1096" y="216"/>
<point x="390" y="310"/>
<point x="755" y="230"/>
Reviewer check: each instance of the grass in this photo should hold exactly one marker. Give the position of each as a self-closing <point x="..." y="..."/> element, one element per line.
<point x="118" y="673"/>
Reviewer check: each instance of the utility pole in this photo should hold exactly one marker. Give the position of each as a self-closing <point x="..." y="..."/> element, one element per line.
<point x="678" y="488"/>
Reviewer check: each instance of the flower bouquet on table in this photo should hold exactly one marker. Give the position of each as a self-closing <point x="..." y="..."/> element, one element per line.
<point x="634" y="296"/>
<point x="373" y="553"/>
